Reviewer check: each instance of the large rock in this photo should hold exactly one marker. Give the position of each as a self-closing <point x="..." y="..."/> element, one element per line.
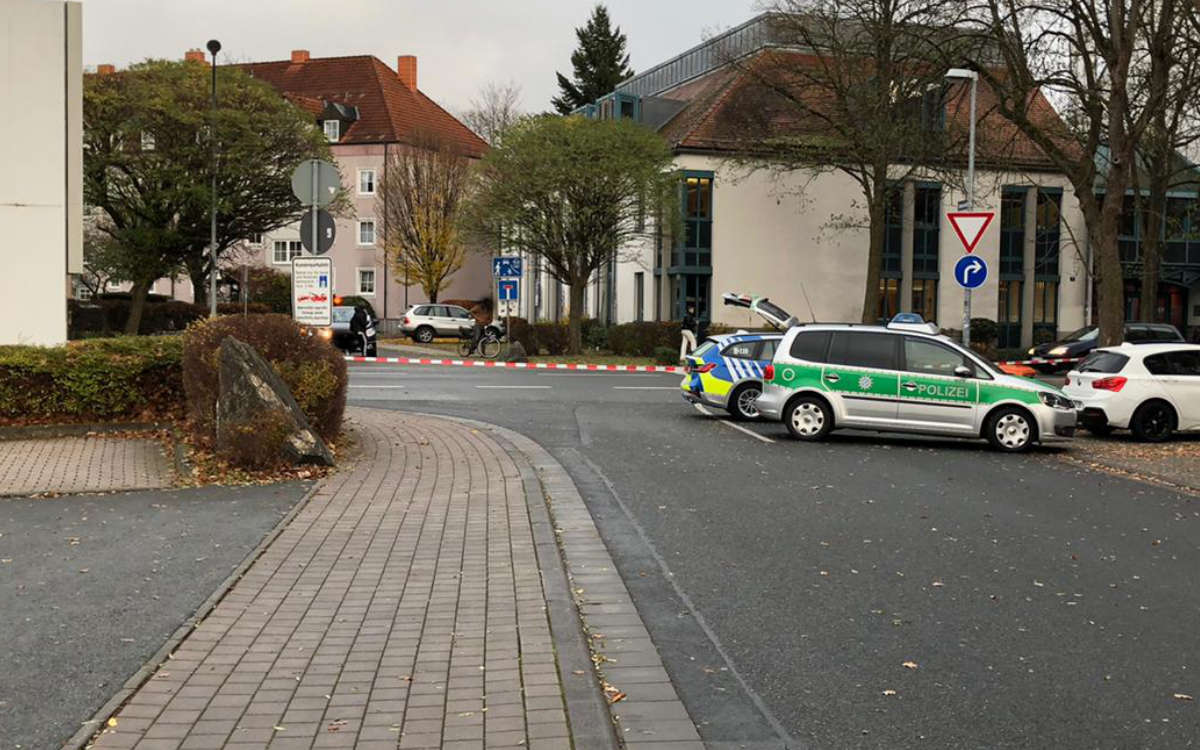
<point x="258" y="420"/>
<point x="513" y="352"/>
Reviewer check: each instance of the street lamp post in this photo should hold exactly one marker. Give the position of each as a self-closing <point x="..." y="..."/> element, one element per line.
<point x="213" y="47"/>
<point x="973" y="77"/>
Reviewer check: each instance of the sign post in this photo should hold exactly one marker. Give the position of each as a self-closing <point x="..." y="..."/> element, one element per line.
<point x="507" y="271"/>
<point x="312" y="291"/>
<point x="969" y="226"/>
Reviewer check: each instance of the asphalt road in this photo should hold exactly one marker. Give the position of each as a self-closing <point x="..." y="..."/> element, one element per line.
<point x="787" y="584"/>
<point x="91" y="586"/>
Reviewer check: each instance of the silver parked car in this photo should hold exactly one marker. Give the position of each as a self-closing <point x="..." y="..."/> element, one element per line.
<point x="425" y="322"/>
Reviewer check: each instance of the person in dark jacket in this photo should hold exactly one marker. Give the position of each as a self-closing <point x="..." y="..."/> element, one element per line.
<point x="688" y="329"/>
<point x="359" y="323"/>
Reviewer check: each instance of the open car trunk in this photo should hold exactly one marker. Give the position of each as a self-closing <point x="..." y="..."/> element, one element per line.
<point x="776" y="316"/>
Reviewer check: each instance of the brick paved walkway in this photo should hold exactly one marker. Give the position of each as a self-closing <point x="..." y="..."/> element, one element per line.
<point x="403" y="607"/>
<point x="82" y="464"/>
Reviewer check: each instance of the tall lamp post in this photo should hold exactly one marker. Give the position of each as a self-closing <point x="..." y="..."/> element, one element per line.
<point x="973" y="77"/>
<point x="213" y="47"/>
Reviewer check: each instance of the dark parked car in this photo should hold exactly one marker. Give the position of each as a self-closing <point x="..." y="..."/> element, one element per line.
<point x="346" y="340"/>
<point x="1082" y="342"/>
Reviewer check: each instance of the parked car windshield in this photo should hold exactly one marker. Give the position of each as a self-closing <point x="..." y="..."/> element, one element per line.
<point x="1107" y="362"/>
<point x="1083" y="334"/>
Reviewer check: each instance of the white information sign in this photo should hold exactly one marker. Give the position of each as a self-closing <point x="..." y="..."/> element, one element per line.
<point x="312" y="290"/>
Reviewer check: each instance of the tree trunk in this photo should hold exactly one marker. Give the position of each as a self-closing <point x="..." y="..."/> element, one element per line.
<point x="432" y="295"/>
<point x="1151" y="257"/>
<point x="876" y="213"/>
<point x="575" y="317"/>
<point x="137" y="304"/>
<point x="1152" y="246"/>
<point x="1111" y="280"/>
<point x="197" y="270"/>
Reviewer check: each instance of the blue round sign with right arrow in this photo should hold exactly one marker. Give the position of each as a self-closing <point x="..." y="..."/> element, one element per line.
<point x="970" y="272"/>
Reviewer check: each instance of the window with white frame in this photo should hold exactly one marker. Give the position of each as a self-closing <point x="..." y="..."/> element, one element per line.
<point x="255" y="239"/>
<point x="285" y="250"/>
<point x="366" y="281"/>
<point x="333" y="130"/>
<point x="366" y="231"/>
<point x="366" y="182"/>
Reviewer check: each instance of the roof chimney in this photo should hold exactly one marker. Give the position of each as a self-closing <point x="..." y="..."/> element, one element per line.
<point x="406" y="70"/>
<point x="194" y="55"/>
<point x="105" y="69"/>
<point x="299" y="56"/>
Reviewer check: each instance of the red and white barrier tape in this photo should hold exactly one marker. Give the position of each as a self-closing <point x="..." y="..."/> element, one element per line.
<point x="1041" y="361"/>
<point x="514" y="365"/>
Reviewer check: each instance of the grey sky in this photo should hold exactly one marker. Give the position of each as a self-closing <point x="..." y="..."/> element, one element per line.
<point x="461" y="44"/>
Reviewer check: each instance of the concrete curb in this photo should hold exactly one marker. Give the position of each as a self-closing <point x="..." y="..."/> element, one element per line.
<point x="601" y="603"/>
<point x="82" y="738"/>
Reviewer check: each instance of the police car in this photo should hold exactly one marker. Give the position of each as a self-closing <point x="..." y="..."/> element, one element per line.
<point x="905" y="377"/>
<point x="726" y="371"/>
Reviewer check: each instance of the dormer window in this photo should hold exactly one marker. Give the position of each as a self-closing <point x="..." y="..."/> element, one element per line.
<point x="333" y="130"/>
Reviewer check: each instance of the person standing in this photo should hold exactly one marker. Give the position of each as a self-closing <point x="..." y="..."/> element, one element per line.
<point x="689" y="327"/>
<point x="359" y="323"/>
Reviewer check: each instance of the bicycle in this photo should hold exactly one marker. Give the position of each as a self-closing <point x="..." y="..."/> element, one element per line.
<point x="479" y="339"/>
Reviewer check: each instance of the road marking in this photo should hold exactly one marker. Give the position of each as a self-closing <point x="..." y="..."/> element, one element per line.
<point x="644" y="375"/>
<point x="379" y="386"/>
<point x="734" y="425"/>
<point x="514" y="387"/>
<point x="645" y="387"/>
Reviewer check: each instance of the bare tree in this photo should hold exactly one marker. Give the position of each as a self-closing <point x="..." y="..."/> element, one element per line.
<point x="854" y="86"/>
<point x="1168" y="67"/>
<point x="495" y="109"/>
<point x="1083" y="53"/>
<point x="420" y="198"/>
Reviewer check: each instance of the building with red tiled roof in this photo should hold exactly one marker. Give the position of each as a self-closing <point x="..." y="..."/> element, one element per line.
<point x="800" y="236"/>
<point x="367" y="111"/>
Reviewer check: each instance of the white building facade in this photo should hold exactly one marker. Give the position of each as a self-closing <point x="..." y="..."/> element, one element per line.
<point x="41" y="197"/>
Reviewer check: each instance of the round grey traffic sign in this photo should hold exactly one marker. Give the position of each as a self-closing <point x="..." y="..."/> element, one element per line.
<point x="326" y="184"/>
<point x="326" y="231"/>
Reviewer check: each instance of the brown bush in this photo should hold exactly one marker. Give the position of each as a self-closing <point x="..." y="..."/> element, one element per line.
<point x="257" y="444"/>
<point x="313" y="370"/>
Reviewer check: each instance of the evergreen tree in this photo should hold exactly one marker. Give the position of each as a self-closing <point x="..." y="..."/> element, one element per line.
<point x="600" y="63"/>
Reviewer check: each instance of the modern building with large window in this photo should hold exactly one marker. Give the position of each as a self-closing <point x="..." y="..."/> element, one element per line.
<point x="801" y="237"/>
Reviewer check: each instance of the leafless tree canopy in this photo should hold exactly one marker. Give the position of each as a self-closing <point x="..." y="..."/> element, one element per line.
<point x="855" y="86"/>
<point x="494" y="110"/>
<point x="420" y="198"/>
<point x="1096" y="60"/>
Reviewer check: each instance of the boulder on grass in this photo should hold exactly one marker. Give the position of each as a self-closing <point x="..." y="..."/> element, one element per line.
<point x="513" y="352"/>
<point x="259" y="424"/>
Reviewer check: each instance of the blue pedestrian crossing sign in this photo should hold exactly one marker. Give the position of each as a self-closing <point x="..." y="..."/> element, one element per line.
<point x="506" y="266"/>
<point x="509" y="290"/>
<point x="970" y="272"/>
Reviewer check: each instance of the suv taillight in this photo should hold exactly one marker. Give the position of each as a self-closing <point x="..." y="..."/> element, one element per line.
<point x="406" y="320"/>
<point x="1114" y="383"/>
<point x="768" y="373"/>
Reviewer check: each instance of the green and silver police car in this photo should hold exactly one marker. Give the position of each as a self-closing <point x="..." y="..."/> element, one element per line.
<point x="905" y="377"/>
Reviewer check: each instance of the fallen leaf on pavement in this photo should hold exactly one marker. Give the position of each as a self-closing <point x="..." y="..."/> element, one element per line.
<point x="909" y="665"/>
<point x="1183" y="697"/>
<point x="617" y="698"/>
<point x="112" y="721"/>
<point x="889" y="692"/>
<point x="278" y="728"/>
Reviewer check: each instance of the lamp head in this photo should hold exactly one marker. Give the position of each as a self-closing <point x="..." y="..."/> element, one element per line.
<point x="213" y="46"/>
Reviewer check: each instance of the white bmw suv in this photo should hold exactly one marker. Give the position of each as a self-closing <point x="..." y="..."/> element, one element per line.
<point x="1153" y="390"/>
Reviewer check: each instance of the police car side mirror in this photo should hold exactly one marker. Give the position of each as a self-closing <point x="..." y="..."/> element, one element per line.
<point x="963" y="371"/>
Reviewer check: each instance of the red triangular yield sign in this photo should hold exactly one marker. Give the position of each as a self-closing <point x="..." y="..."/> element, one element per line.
<point x="970" y="226"/>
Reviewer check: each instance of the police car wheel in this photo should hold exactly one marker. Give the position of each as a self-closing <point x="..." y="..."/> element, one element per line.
<point x="1011" y="430"/>
<point x="808" y="418"/>
<point x="741" y="401"/>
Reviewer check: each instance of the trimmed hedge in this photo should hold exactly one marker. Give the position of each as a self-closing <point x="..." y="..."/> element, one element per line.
<point x="119" y="379"/>
<point x="108" y="316"/>
<point x="313" y="370"/>
<point x="642" y="339"/>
